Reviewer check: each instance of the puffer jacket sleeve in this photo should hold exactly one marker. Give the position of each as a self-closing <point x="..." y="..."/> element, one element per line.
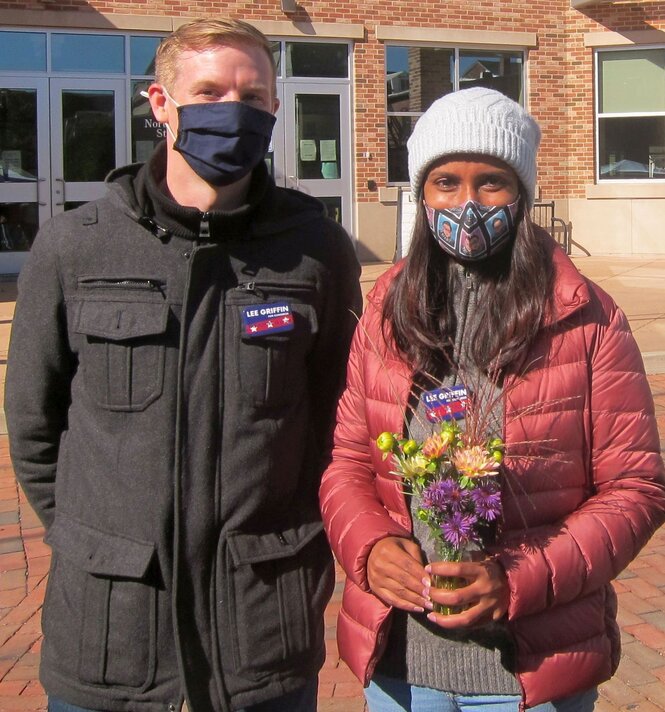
<point x="40" y="367"/>
<point x="354" y="515"/>
<point x="560" y="563"/>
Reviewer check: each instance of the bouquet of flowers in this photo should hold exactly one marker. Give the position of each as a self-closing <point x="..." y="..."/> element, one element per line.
<point x="455" y="479"/>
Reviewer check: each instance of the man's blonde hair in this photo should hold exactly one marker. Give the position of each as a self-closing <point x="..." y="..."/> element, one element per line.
<point x="203" y="34"/>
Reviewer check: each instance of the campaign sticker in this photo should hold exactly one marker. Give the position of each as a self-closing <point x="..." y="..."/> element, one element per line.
<point x="445" y="403"/>
<point x="262" y="319"/>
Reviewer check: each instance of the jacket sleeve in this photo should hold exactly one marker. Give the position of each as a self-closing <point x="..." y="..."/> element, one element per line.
<point x="39" y="371"/>
<point x="593" y="544"/>
<point x="353" y="514"/>
<point x="339" y="318"/>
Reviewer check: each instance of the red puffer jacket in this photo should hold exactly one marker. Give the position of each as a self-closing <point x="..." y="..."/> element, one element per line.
<point x="572" y="521"/>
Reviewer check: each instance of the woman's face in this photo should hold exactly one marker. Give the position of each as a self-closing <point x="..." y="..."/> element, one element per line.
<point x="455" y="179"/>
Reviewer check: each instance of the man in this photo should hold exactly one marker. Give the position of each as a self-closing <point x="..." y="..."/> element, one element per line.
<point x="177" y="351"/>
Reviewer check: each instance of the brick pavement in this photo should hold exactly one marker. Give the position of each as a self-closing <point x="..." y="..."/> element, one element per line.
<point x="639" y="684"/>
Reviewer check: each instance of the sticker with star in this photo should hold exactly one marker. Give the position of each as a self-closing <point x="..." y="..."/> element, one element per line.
<point x="445" y="403"/>
<point x="262" y="319"/>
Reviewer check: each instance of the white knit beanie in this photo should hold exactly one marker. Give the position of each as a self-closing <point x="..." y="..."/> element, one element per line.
<point x="477" y="120"/>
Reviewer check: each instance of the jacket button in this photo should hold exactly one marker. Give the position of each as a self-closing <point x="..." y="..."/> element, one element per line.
<point x="186" y="254"/>
<point x="172" y="707"/>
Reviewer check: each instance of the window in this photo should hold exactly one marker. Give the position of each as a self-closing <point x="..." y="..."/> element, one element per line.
<point x="312" y="59"/>
<point x="631" y="114"/>
<point x="417" y="76"/>
<point x="87" y="53"/>
<point x="23" y="51"/>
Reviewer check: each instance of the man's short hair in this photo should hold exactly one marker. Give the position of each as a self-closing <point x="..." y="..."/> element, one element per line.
<point x="203" y="34"/>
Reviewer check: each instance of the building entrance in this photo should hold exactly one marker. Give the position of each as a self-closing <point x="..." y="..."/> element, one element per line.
<point x="59" y="138"/>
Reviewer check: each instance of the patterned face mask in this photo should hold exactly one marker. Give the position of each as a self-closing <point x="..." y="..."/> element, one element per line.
<point x="472" y="232"/>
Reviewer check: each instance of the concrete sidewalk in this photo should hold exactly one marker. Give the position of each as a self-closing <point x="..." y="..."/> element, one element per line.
<point x="638" y="285"/>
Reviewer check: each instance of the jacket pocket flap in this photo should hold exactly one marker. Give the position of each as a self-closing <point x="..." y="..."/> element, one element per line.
<point x="117" y="321"/>
<point x="99" y="552"/>
<point x="254" y="548"/>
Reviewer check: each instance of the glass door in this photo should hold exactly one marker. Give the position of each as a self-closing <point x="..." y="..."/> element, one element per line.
<point x="24" y="167"/>
<point x="88" y="138"/>
<point x="315" y="120"/>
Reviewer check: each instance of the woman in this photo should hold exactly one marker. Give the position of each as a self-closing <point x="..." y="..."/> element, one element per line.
<point x="551" y="359"/>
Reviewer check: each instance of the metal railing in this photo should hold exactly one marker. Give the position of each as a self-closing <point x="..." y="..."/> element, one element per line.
<point x="542" y="214"/>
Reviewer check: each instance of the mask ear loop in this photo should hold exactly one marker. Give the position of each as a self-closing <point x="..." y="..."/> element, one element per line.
<point x="175" y="103"/>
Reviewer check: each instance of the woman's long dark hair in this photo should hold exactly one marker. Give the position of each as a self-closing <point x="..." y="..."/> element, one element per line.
<point x="514" y="291"/>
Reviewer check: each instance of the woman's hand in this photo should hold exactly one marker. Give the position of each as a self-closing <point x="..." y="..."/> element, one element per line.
<point x="486" y="594"/>
<point x="396" y="574"/>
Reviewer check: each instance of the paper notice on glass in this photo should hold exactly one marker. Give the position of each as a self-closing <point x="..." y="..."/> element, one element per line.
<point x="328" y="149"/>
<point x="307" y="149"/>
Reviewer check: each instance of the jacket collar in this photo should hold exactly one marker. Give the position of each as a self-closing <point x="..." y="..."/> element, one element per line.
<point x="570" y="290"/>
<point x="269" y="210"/>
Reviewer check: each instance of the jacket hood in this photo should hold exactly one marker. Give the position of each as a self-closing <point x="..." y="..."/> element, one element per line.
<point x="269" y="210"/>
<point x="571" y="289"/>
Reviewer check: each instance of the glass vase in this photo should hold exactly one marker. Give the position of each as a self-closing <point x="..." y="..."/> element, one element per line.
<point x="444" y="552"/>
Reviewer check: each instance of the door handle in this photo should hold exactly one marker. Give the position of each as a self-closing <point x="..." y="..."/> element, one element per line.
<point x="61" y="180"/>
<point x="39" y="180"/>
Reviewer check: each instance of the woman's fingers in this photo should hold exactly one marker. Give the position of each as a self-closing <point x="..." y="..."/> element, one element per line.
<point x="395" y="574"/>
<point x="483" y="598"/>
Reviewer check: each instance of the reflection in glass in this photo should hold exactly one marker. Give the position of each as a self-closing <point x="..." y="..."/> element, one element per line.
<point x="399" y="130"/>
<point x="417" y="76"/>
<point x="631" y="81"/>
<point x="318" y="136"/>
<point x="333" y="207"/>
<point x="632" y="147"/>
<point x="142" y="54"/>
<point x="147" y="132"/>
<point x="310" y="59"/>
<point x="276" y="49"/>
<point x="88" y="138"/>
<point x="501" y="71"/>
<point x="87" y="53"/>
<point x="18" y="226"/>
<point x="18" y="135"/>
<point x="23" y="51"/>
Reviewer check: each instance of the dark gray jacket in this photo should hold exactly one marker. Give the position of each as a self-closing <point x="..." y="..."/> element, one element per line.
<point x="174" y="459"/>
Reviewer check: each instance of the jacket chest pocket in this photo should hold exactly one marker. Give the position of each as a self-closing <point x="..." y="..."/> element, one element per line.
<point x="270" y="368"/>
<point x="122" y="357"/>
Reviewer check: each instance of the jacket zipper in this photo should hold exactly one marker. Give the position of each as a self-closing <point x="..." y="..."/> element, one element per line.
<point x="204" y="227"/>
<point x="139" y="284"/>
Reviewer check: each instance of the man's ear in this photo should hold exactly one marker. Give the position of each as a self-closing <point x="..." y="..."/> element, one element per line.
<point x="157" y="99"/>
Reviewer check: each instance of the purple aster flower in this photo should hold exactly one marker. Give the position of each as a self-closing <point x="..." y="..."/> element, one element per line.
<point x="487" y="501"/>
<point x="458" y="529"/>
<point x="444" y="495"/>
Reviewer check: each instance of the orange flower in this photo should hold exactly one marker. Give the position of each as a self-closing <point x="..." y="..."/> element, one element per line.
<point x="474" y="461"/>
<point x="436" y="445"/>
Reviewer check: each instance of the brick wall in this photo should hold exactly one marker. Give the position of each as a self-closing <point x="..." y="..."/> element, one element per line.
<point x="560" y="70"/>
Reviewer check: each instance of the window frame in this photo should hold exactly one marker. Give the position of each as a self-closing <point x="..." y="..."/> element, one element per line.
<point x="598" y="115"/>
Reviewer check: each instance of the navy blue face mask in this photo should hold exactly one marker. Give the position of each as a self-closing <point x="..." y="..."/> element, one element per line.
<point x="222" y="141"/>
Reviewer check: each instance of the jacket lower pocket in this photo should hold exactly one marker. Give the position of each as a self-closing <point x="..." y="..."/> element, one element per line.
<point x="100" y="613"/>
<point x="277" y="586"/>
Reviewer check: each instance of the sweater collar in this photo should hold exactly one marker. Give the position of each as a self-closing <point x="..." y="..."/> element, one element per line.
<point x="185" y="221"/>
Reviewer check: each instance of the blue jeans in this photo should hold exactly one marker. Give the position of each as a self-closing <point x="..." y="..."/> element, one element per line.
<point x="386" y="694"/>
<point x="301" y="700"/>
